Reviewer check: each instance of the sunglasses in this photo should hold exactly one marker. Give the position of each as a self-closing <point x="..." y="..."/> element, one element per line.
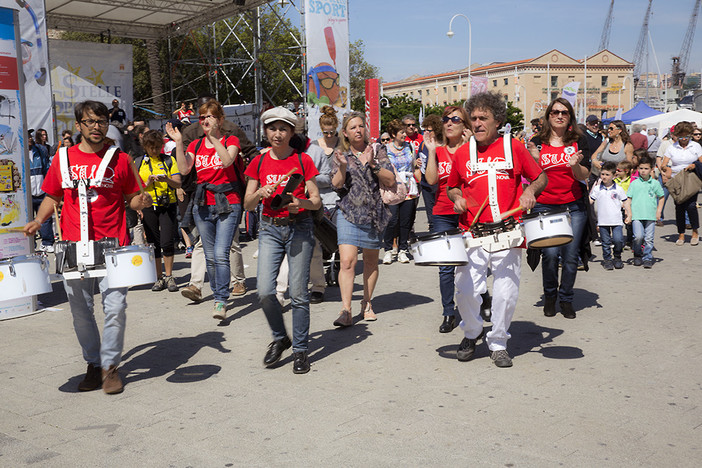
<point x="612" y="128"/>
<point x="384" y="140"/>
<point x="455" y="119"/>
<point x="411" y="125"/>
<point x="556" y="113"/>
<point x="330" y="133"/>
<point x="204" y="117"/>
<point x="697" y="134"/>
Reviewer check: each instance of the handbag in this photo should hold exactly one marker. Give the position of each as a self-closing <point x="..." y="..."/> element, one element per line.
<point x="684" y="186"/>
<point x="395" y="194"/>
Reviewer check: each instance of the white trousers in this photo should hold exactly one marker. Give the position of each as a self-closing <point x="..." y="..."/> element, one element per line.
<point x="198" y="268"/>
<point x="317" y="279"/>
<point x="471" y="282"/>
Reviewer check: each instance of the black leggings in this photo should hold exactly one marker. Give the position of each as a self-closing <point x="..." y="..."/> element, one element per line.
<point x="160" y="225"/>
<point x="691" y="209"/>
<point x="400" y="224"/>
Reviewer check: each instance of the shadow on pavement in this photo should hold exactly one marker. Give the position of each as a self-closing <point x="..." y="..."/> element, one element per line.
<point x="158" y="358"/>
<point x="583" y="299"/>
<point x="326" y="342"/>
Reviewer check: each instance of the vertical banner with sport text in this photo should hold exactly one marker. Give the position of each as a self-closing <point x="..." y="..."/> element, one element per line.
<point x="373" y="108"/>
<point x="14" y="163"/>
<point x="327" y="37"/>
<point x="35" y="65"/>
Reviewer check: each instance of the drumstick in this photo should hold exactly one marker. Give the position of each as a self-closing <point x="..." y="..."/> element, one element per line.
<point x="290" y="172"/>
<point x="138" y="177"/>
<point x="511" y="212"/>
<point x="58" y="222"/>
<point x="480" y="210"/>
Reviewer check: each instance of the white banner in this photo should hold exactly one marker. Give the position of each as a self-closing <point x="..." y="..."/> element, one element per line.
<point x="327" y="36"/>
<point x="105" y="66"/>
<point x="35" y="61"/>
<point x="570" y="91"/>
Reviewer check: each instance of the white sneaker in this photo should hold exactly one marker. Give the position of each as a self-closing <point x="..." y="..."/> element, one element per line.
<point x="402" y="257"/>
<point x="255" y="254"/>
<point x="49" y="248"/>
<point x="387" y="258"/>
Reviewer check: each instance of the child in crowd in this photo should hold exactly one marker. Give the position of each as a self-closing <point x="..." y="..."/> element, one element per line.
<point x="623" y="179"/>
<point x="609" y="198"/>
<point x="644" y="207"/>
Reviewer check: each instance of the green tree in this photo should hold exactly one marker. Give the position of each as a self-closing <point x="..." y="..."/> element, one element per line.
<point x="398" y="107"/>
<point x="514" y="117"/>
<point x="359" y="72"/>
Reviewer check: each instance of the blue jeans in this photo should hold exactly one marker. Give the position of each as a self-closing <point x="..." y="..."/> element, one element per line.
<point x="643" y="234"/>
<point x="429" y="197"/>
<point x="567" y="252"/>
<point x="446" y="273"/>
<point x="611" y="235"/>
<point x="46" y="231"/>
<point x="217" y="234"/>
<point x="114" y="305"/>
<point x="274" y="243"/>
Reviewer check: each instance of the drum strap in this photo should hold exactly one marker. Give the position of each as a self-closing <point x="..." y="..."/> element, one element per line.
<point x="492" y="167"/>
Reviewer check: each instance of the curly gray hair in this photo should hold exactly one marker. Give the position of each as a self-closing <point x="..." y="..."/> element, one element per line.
<point x="492" y="101"/>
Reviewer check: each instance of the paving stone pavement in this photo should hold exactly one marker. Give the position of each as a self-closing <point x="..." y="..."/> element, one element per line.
<point x="618" y="386"/>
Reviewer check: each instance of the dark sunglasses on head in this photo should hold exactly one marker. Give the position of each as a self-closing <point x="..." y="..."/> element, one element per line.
<point x="455" y="119"/>
<point x="556" y="113"/>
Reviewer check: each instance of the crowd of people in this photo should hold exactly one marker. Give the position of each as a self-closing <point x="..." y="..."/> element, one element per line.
<point x="195" y="182"/>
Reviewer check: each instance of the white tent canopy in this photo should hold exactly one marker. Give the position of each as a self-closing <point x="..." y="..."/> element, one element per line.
<point x="667" y="120"/>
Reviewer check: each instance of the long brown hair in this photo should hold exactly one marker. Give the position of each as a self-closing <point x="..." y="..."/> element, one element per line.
<point x="572" y="133"/>
<point x="624" y="134"/>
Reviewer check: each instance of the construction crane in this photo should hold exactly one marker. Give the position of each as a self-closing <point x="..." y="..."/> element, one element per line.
<point x="680" y="62"/>
<point x="639" y="59"/>
<point x="604" y="40"/>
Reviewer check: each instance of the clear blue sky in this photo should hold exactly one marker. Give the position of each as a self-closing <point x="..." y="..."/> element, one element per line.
<point x="404" y="37"/>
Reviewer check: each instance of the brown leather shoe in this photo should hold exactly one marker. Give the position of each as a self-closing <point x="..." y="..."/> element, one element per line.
<point x="344" y="320"/>
<point x="238" y="289"/>
<point x="191" y="292"/>
<point x="92" y="379"/>
<point x="111" y="383"/>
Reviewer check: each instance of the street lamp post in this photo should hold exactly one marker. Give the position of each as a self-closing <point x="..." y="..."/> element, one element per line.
<point x="470" y="44"/>
<point x="624" y="87"/>
<point x="523" y="104"/>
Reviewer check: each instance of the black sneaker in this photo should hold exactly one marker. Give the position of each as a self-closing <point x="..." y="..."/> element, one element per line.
<point x="501" y="358"/>
<point x="567" y="310"/>
<point x="301" y="364"/>
<point x="465" y="350"/>
<point x="275" y="350"/>
<point x="618" y="264"/>
<point x="550" y="306"/>
<point x="638" y="261"/>
<point x="648" y="264"/>
<point x="316" y="297"/>
<point x="486" y="307"/>
<point x="159" y="285"/>
<point x="608" y="265"/>
<point x="92" y="379"/>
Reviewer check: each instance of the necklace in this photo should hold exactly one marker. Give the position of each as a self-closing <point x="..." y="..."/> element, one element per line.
<point x="396" y="147"/>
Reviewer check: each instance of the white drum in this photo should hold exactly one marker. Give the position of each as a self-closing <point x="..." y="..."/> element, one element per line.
<point x="24" y="276"/>
<point x="131" y="265"/>
<point x="549" y="229"/>
<point x="444" y="248"/>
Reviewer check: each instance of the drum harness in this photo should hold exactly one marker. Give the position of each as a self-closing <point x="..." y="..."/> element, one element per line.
<point x="499" y="235"/>
<point x="85" y="250"/>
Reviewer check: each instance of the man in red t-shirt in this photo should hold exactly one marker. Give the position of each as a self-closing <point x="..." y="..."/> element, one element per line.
<point x="501" y="189"/>
<point x="638" y="139"/>
<point x="106" y="218"/>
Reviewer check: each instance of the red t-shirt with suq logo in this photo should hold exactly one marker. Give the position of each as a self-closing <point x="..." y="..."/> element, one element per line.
<point x="273" y="170"/>
<point x="562" y="187"/>
<point x="105" y="204"/>
<point x="444" y="160"/>
<point x="210" y="169"/>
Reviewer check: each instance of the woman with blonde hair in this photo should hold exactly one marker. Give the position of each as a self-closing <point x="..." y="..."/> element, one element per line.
<point x="359" y="169"/>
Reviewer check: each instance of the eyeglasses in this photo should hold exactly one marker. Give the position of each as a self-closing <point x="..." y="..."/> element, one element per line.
<point x="91" y="122"/>
<point x="204" y="117"/>
<point x="330" y="133"/>
<point x="556" y="113"/>
<point x="384" y="140"/>
<point x="411" y="125"/>
<point x="610" y="129"/>
<point x="684" y="137"/>
<point x="428" y="129"/>
<point x="696" y="134"/>
<point x="455" y="119"/>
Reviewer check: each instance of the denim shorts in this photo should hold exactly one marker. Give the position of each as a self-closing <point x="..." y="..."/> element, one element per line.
<point x="363" y="236"/>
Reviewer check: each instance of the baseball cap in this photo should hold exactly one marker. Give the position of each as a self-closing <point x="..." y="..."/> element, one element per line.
<point x="592" y="118"/>
<point x="279" y="113"/>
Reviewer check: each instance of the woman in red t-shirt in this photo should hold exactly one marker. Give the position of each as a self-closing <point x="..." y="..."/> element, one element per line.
<point x="563" y="153"/>
<point x="439" y="163"/>
<point x="216" y="205"/>
<point x="285" y="231"/>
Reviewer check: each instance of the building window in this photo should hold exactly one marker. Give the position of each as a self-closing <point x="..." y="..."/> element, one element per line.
<point x="494" y="82"/>
<point x="506" y="81"/>
<point x="444" y="89"/>
<point x="554" y="81"/>
<point x="604" y="97"/>
<point x="605" y="81"/>
<point x="554" y="95"/>
<point x="455" y="88"/>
